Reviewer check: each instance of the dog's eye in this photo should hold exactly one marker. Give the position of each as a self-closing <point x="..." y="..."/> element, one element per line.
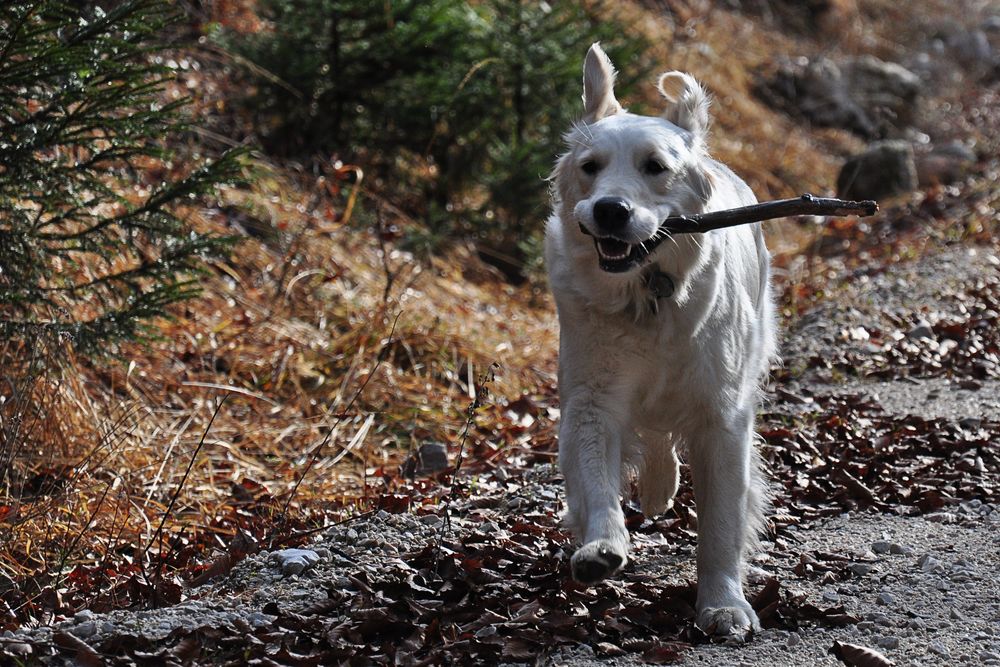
<point x="590" y="167"/>
<point x="654" y="167"/>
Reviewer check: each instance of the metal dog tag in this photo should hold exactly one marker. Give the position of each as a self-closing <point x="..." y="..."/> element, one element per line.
<point x="660" y="284"/>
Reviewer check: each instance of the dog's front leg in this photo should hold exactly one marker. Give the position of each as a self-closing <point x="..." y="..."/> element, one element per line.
<point x="726" y="492"/>
<point x="590" y="457"/>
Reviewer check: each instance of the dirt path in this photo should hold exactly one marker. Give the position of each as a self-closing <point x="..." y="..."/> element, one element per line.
<point x="903" y="559"/>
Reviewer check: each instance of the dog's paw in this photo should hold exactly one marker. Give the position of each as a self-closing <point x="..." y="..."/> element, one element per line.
<point x="596" y="560"/>
<point x="736" y="622"/>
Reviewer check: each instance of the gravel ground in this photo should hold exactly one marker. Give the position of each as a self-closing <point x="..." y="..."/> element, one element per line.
<point x="932" y="598"/>
<point x="925" y="589"/>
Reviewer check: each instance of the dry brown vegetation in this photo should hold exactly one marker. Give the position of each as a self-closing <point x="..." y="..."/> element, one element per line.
<point x="338" y="354"/>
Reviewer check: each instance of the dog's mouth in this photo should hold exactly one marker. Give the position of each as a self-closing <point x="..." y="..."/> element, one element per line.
<point x="617" y="256"/>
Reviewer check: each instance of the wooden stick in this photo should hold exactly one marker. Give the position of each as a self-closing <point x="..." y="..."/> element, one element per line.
<point x="804" y="205"/>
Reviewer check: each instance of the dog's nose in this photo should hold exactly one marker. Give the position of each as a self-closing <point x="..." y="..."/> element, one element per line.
<point x="611" y="213"/>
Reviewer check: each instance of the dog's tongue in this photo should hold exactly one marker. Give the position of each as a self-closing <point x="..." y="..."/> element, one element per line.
<point x="613" y="248"/>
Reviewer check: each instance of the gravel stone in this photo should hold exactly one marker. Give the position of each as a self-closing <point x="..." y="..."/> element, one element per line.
<point x="886" y="598"/>
<point x="861" y="569"/>
<point x="940" y="649"/>
<point x="85" y="629"/>
<point x="929" y="563"/>
<point x="887" y="642"/>
<point x="923" y="329"/>
<point x="295" y="561"/>
<point x="900" y="550"/>
<point x="879" y="617"/>
<point x="260" y="620"/>
<point x="83" y="615"/>
<point x="881" y="547"/>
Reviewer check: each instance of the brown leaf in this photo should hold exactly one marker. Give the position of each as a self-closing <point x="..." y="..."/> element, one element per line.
<point x="80" y="651"/>
<point x="853" y="655"/>
<point x="663" y="654"/>
<point x="187" y="649"/>
<point x="517" y="649"/>
<point x="766" y="602"/>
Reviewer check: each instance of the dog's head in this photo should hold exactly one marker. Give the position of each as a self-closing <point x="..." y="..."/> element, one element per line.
<point x="623" y="174"/>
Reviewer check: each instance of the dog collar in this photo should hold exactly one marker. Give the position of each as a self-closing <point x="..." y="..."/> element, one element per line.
<point x="660" y="284"/>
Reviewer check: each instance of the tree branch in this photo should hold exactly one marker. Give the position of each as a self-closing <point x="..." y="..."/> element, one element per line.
<point x="804" y="205"/>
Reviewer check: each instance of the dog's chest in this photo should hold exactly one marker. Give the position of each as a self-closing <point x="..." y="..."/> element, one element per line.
<point x="658" y="364"/>
<point x="667" y="382"/>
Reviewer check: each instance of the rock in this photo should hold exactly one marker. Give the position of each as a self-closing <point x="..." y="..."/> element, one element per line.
<point x="928" y="563"/>
<point x="83" y="616"/>
<point x="885" y="169"/>
<point x="887" y="642"/>
<point x="970" y="47"/>
<point x="295" y="561"/>
<point x="944" y="164"/>
<point x="881" y="547"/>
<point x="886" y="598"/>
<point x="940" y="649"/>
<point x="878" y="617"/>
<point x="900" y="550"/>
<point x="860" y="569"/>
<point x="793" y="640"/>
<point x="865" y="95"/>
<point x="922" y="329"/>
<point x="260" y="620"/>
<point x="882" y="87"/>
<point x="831" y="596"/>
<point x="970" y="423"/>
<point x="85" y="629"/>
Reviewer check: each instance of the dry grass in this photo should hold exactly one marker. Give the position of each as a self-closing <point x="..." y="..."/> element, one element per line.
<point x="299" y="319"/>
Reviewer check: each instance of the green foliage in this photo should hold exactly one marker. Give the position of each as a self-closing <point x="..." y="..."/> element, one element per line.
<point x="91" y="245"/>
<point x="479" y="93"/>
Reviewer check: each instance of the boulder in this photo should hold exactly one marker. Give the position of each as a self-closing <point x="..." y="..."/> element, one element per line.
<point x="944" y="164"/>
<point x="865" y="95"/>
<point x="885" y="169"/>
<point x="887" y="91"/>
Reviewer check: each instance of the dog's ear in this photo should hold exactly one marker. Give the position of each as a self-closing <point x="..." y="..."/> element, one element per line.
<point x="687" y="102"/>
<point x="598" y="85"/>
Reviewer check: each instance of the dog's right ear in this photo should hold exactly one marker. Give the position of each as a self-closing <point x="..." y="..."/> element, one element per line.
<point x="598" y="86"/>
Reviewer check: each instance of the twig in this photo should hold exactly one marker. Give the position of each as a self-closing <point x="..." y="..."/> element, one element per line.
<point x="180" y="486"/>
<point x="805" y="205"/>
<point x="343" y="414"/>
<point x="390" y="274"/>
<point x="480" y="392"/>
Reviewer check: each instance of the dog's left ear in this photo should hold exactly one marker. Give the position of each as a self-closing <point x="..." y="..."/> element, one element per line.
<point x="687" y="102"/>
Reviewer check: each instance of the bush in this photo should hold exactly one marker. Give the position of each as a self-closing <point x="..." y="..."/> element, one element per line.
<point x="478" y="93"/>
<point x="91" y="243"/>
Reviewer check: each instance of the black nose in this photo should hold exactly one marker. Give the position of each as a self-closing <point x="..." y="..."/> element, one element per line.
<point x="611" y="213"/>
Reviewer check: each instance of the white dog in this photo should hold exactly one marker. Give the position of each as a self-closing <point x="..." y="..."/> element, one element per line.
<point x="664" y="339"/>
